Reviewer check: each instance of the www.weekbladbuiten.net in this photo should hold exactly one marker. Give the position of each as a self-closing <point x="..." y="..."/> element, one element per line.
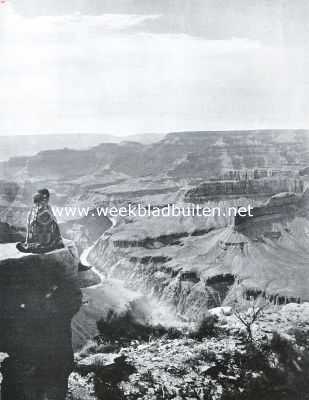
<point x="139" y="210"/>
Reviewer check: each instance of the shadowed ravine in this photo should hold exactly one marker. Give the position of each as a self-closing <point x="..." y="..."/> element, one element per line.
<point x="97" y="300"/>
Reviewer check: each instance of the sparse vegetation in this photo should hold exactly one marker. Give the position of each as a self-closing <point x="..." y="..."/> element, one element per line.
<point x="273" y="370"/>
<point x="107" y="379"/>
<point x="211" y="363"/>
<point x="249" y="311"/>
<point x="126" y="327"/>
<point x="206" y="327"/>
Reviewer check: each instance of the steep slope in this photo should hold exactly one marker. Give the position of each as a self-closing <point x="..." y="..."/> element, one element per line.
<point x="193" y="264"/>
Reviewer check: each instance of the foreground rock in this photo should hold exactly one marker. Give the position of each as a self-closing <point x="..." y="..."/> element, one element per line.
<point x="39" y="296"/>
<point x="220" y="365"/>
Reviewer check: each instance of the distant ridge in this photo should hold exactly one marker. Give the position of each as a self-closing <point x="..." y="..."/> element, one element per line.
<point x="204" y="155"/>
<point x="29" y="145"/>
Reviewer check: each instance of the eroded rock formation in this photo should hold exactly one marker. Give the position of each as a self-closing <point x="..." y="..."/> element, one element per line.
<point x="192" y="264"/>
<point x="39" y="295"/>
<point x="253" y="187"/>
<point x="206" y="154"/>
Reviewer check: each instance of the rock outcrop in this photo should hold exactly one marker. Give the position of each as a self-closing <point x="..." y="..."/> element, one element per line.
<point x="251" y="187"/>
<point x="39" y="295"/>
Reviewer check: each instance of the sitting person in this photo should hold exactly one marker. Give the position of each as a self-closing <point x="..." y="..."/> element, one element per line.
<point x="43" y="234"/>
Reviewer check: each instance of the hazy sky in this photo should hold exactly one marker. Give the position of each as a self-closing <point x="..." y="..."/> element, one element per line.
<point x="133" y="66"/>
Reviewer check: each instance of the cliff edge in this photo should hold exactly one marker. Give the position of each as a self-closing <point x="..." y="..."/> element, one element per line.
<point x="39" y="295"/>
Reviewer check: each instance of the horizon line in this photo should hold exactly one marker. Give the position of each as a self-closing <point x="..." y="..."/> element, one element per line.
<point x="119" y="135"/>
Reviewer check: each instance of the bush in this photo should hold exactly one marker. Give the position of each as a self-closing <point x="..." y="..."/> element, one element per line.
<point x="301" y="336"/>
<point x="121" y="327"/>
<point x="275" y="370"/>
<point x="125" y="327"/>
<point x="108" y="378"/>
<point x="206" y="327"/>
<point x="248" y="312"/>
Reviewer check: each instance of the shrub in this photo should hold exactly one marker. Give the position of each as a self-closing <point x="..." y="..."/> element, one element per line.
<point x="206" y="327"/>
<point x="275" y="370"/>
<point x="248" y="312"/>
<point x="108" y="378"/>
<point x="122" y="327"/>
<point x="301" y="336"/>
<point x="125" y="327"/>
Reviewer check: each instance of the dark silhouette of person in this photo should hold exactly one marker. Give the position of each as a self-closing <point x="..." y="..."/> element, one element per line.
<point x="43" y="233"/>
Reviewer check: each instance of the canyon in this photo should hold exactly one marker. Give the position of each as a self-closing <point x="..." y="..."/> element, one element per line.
<point x="189" y="263"/>
<point x="176" y="268"/>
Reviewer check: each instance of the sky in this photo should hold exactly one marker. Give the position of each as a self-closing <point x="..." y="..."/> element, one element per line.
<point x="141" y="66"/>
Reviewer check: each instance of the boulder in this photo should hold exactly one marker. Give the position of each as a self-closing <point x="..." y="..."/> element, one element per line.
<point x="39" y="295"/>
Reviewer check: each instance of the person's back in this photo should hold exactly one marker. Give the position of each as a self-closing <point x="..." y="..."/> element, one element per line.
<point x="43" y="232"/>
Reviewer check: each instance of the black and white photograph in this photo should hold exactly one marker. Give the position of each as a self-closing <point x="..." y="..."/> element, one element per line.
<point x="154" y="200"/>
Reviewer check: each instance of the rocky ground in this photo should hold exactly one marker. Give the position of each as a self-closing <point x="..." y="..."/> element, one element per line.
<point x="213" y="363"/>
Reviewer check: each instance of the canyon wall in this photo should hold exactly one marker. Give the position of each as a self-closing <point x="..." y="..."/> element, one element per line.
<point x="179" y="155"/>
<point x="196" y="264"/>
<point x="258" y="187"/>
